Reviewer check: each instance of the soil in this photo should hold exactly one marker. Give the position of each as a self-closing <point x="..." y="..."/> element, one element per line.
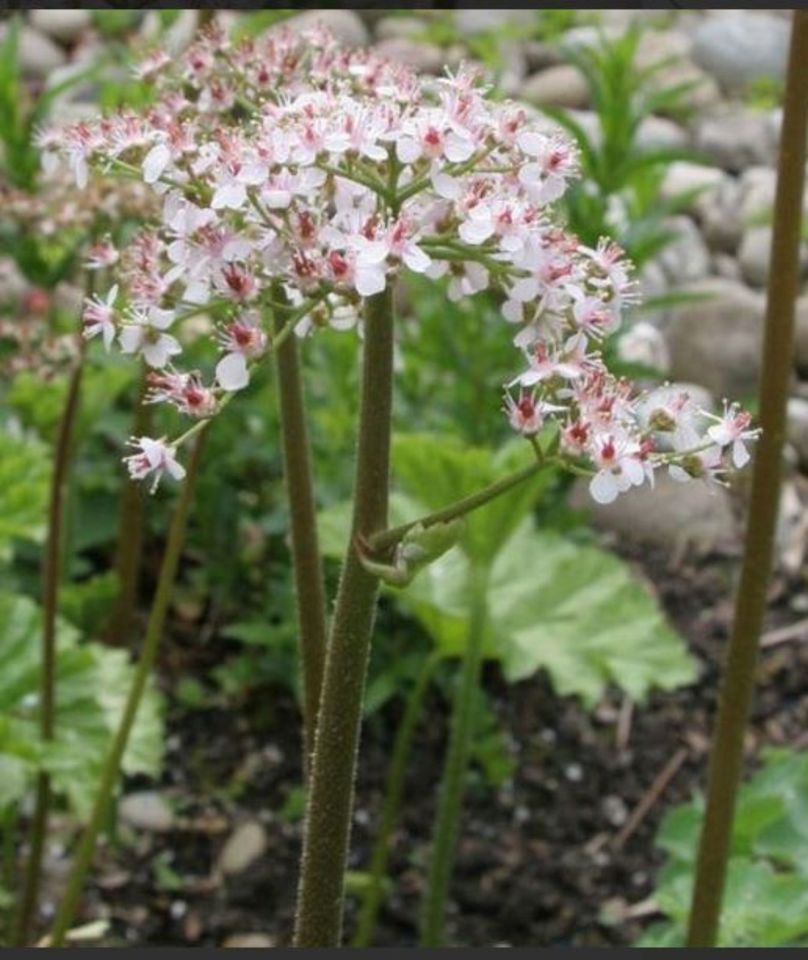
<point x="537" y="862"/>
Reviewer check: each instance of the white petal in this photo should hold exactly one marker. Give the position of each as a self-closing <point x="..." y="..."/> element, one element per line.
<point x="603" y="487"/>
<point x="369" y="281"/>
<point x="232" y="373"/>
<point x="415" y="258"/>
<point x="445" y="186"/>
<point x="176" y="469"/>
<point x="155" y="162"/>
<point x="740" y="455"/>
<point x="408" y="150"/>
<point x="457" y="148"/>
<point x="131" y="338"/>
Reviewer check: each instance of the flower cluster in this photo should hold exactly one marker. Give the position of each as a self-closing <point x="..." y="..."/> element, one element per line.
<point x="293" y="173"/>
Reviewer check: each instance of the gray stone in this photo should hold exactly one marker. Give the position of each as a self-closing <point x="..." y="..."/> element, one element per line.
<point x="539" y="55"/>
<point x="656" y="132"/>
<point x="758" y="186"/>
<point x="346" y="25"/>
<point x="754" y="255"/>
<point x="735" y="137"/>
<point x="797" y="428"/>
<point x="146" y="810"/>
<point x="719" y="214"/>
<point x="561" y="86"/>
<point x="668" y="52"/>
<point x="244" y="846"/>
<point x="684" y="177"/>
<point x="672" y="514"/>
<point x="469" y="22"/>
<point x="38" y="55"/>
<point x="249" y="940"/>
<point x="801" y="335"/>
<point x="739" y="46"/>
<point x="397" y="28"/>
<point x="716" y="341"/>
<point x="686" y="258"/>
<point x="723" y="265"/>
<point x="66" y="26"/>
<point x="643" y="344"/>
<point x="419" y="56"/>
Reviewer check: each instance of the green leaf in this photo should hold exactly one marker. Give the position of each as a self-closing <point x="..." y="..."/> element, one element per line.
<point x="24" y="481"/>
<point x="92" y="683"/>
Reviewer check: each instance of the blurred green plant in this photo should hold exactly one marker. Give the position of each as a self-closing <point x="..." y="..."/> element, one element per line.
<point x="766" y="898"/>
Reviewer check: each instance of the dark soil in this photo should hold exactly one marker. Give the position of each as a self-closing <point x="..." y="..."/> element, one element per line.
<point x="537" y="863"/>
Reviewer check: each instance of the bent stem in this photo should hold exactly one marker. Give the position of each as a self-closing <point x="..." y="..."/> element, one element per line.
<point x="374" y="894"/>
<point x="309" y="584"/>
<point x="129" y="548"/>
<point x="726" y="756"/>
<point x="29" y="899"/>
<point x="111" y="769"/>
<point x="333" y="768"/>
<point x="447" y="821"/>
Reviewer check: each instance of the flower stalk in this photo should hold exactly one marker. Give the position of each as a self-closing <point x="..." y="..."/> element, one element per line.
<point x="309" y="584"/>
<point x="452" y="788"/>
<point x="66" y="911"/>
<point x="29" y="898"/>
<point x="726" y="756"/>
<point x="333" y="769"/>
<point x="129" y="548"/>
<point x="394" y="790"/>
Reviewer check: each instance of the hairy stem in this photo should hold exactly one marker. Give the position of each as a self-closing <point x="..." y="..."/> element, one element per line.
<point x="726" y="756"/>
<point x="374" y="894"/>
<point x="29" y="899"/>
<point x="447" y="821"/>
<point x="309" y="584"/>
<point x="129" y="548"/>
<point x="333" y="769"/>
<point x="389" y="538"/>
<point x="112" y="763"/>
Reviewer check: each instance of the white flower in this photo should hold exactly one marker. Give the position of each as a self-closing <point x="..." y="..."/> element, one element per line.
<point x="153" y="457"/>
<point x="732" y="430"/>
<point x="620" y="468"/>
<point x="147" y="337"/>
<point x="99" y="317"/>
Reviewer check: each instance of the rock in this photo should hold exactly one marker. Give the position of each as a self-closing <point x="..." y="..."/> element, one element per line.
<point x="716" y="341"/>
<point x="146" y="810"/>
<point x="469" y="22"/>
<point x="243" y="847"/>
<point x="656" y="132"/>
<point x="739" y="46"/>
<point x="683" y="177"/>
<point x="735" y="137"/>
<point x="346" y="25"/>
<point x="685" y="258"/>
<point x="38" y="55"/>
<point x="723" y="265"/>
<point x="561" y="86"/>
<point x="419" y="56"/>
<point x="643" y="344"/>
<point x="514" y="68"/>
<point x="66" y="26"/>
<point x="719" y="214"/>
<point x="539" y="55"/>
<point x="801" y="335"/>
<point x="797" y="428"/>
<point x="754" y="255"/>
<point x="252" y="940"/>
<point x="672" y="514"/>
<point x="668" y="51"/>
<point x="758" y="186"/>
<point x="397" y="28"/>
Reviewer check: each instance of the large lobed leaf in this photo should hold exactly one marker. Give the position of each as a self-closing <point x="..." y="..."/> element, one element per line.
<point x="766" y="899"/>
<point x="24" y="481"/>
<point x="92" y="683"/>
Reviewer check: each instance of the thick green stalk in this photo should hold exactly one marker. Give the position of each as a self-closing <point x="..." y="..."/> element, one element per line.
<point x="374" y="894"/>
<point x="112" y="763"/>
<point x="333" y="769"/>
<point x="129" y="548"/>
<point x="308" y="570"/>
<point x="29" y="898"/>
<point x="450" y="800"/>
<point x="726" y="756"/>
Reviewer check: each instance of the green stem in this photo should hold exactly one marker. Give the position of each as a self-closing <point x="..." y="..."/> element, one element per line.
<point x="394" y="790"/>
<point x="129" y="547"/>
<point x="309" y="584"/>
<point x="726" y="757"/>
<point x="112" y="763"/>
<point x="29" y="899"/>
<point x="333" y="769"/>
<point x="389" y="538"/>
<point x="9" y="828"/>
<point x="447" y="821"/>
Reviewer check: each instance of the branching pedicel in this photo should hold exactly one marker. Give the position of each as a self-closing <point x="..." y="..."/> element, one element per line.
<point x="289" y="160"/>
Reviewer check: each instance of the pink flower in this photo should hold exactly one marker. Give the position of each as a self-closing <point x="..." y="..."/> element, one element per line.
<point x="242" y="339"/>
<point x="147" y="336"/>
<point x="619" y="468"/>
<point x="153" y="457"/>
<point x="99" y="317"/>
<point x="732" y="430"/>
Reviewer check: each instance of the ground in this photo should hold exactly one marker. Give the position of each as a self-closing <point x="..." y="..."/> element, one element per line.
<point x="539" y="862"/>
